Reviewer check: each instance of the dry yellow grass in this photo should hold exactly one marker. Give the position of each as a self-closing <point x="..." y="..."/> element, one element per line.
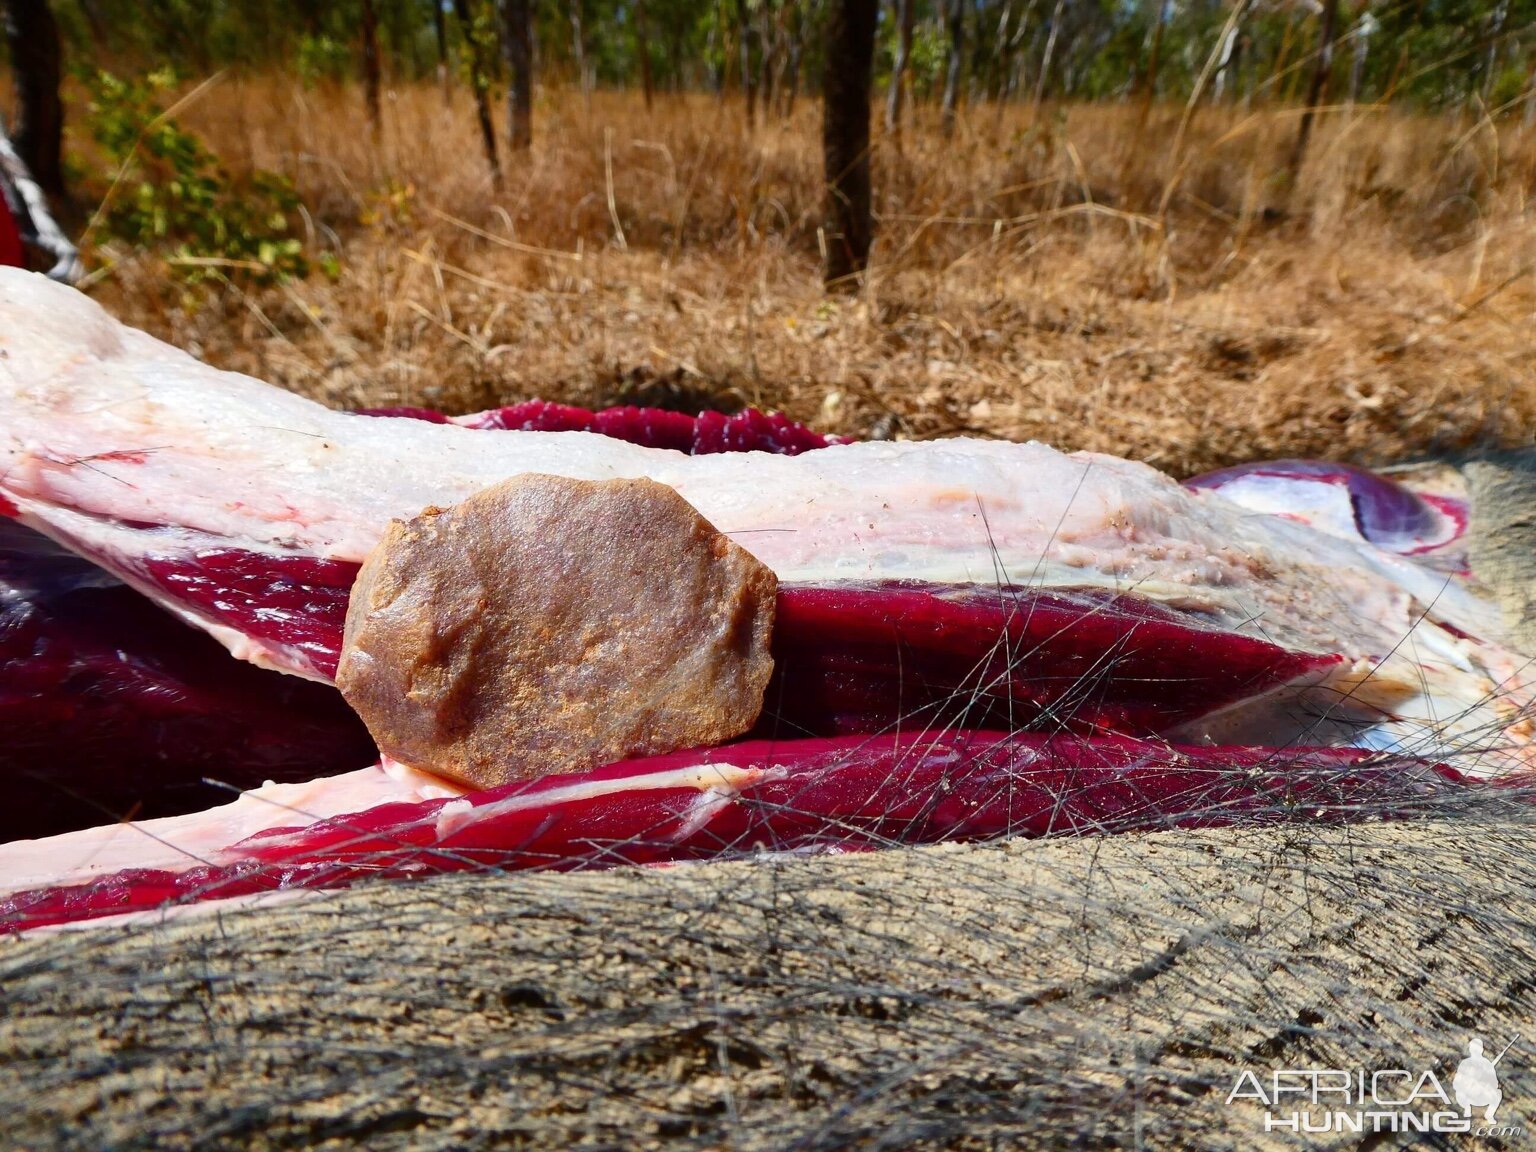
<point x="1095" y="280"/>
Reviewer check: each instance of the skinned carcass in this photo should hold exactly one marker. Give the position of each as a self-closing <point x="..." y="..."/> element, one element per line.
<point x="1093" y="609"/>
<point x="242" y="507"/>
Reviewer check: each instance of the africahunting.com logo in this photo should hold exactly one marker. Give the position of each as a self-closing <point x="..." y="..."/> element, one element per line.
<point x="1350" y="1100"/>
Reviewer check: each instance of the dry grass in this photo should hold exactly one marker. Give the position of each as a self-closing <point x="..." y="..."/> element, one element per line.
<point x="1096" y="280"/>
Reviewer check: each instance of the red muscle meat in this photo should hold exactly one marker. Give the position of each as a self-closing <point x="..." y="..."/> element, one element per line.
<point x="866" y="658"/>
<point x="110" y="707"/>
<point x="709" y="432"/>
<point x="845" y="794"/>
<point x="11" y="252"/>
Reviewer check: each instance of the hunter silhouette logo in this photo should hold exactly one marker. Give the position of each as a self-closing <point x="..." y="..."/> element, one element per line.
<point x="1340" y="1100"/>
<point x="1476" y="1082"/>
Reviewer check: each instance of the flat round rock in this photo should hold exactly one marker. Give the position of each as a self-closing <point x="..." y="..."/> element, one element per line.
<point x="550" y="625"/>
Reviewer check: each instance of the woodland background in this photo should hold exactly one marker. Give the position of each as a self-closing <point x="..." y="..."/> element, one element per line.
<point x="1189" y="232"/>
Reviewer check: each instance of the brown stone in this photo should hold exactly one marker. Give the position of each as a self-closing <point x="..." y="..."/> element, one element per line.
<point x="550" y="625"/>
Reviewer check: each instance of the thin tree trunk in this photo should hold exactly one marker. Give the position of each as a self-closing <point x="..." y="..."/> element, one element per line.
<point x="768" y="54"/>
<point x="675" y="58"/>
<point x="440" y="26"/>
<point x="481" y="83"/>
<point x="34" y="218"/>
<point x="96" y="24"/>
<point x="579" y="50"/>
<point x="643" y="50"/>
<point x="796" y="54"/>
<point x="954" y="19"/>
<point x="1495" y="33"/>
<point x="1154" y="58"/>
<point x="1008" y="41"/>
<point x="1318" y="83"/>
<point x="905" y="11"/>
<point x="1365" y="28"/>
<point x="1224" y="64"/>
<point x="846" y="82"/>
<point x="1528" y="121"/>
<point x="745" y="34"/>
<point x="37" y="64"/>
<point x="1000" y="57"/>
<point x="371" y="77"/>
<point x="1227" y="62"/>
<point x="1045" y="60"/>
<point x="517" y="47"/>
<point x="719" y="65"/>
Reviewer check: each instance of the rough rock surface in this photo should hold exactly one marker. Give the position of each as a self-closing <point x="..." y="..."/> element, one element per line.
<point x="1503" y="491"/>
<point x="1100" y="993"/>
<point x="549" y="625"/>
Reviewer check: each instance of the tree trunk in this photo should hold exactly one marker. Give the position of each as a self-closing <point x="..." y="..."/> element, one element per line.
<point x="954" y="18"/>
<point x="796" y="54"/>
<point x="846" y="81"/>
<point x="768" y="54"/>
<point x="745" y="34"/>
<point x="440" y="26"/>
<point x="480" y="81"/>
<point x="1045" y="60"/>
<point x="37" y="63"/>
<point x="517" y="46"/>
<point x="96" y="24"/>
<point x="643" y="50"/>
<point x="721" y="63"/>
<point x="1318" y="83"/>
<point x="1010" y="34"/>
<point x="371" y="77"/>
<point x="33" y="217"/>
<point x="1528" y="120"/>
<point x="1365" y="28"/>
<point x="579" y="50"/>
<point x="1154" y="54"/>
<point x="905" y="10"/>
<point x="676" y="58"/>
<point x="1224" y="64"/>
<point x="1495" y="38"/>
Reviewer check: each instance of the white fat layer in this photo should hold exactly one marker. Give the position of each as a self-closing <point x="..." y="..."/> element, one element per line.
<point x="175" y="843"/>
<point x="723" y="779"/>
<point x="187" y="910"/>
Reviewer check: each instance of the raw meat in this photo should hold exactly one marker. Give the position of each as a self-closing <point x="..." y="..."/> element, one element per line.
<point x="838" y="795"/>
<point x="1091" y="606"/>
<point x="112" y="709"/>
<point x="1343" y="501"/>
<point x="701" y="435"/>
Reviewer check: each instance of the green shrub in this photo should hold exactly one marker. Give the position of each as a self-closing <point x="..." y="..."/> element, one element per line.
<point x="170" y="193"/>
